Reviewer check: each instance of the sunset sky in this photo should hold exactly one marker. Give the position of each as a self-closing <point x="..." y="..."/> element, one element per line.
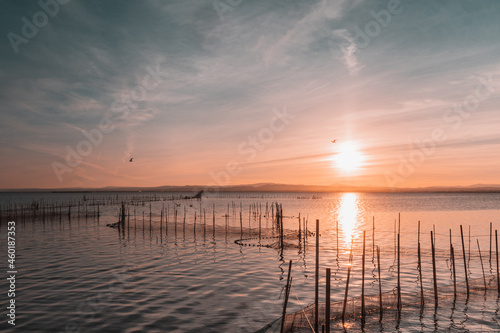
<point x="245" y="91"/>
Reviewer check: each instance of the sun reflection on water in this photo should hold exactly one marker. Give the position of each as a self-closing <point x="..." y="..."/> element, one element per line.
<point x="348" y="214"/>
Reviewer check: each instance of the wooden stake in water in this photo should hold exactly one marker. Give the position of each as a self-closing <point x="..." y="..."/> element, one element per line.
<point x="194" y="225"/>
<point x="316" y="286"/>
<point x="434" y="270"/>
<point x="349" y="266"/>
<point x="363" y="282"/>
<point x="465" y="260"/>
<point x="305" y="233"/>
<point x="420" y="269"/>
<point x="491" y="235"/>
<point x="213" y="220"/>
<point x="241" y="225"/>
<point x="175" y="221"/>
<point x="482" y="267"/>
<point x="399" y="305"/>
<point x="337" y="234"/>
<point x="260" y="227"/>
<point x="498" y="270"/>
<point x="305" y="228"/>
<point x="184" y="223"/>
<point x="287" y="293"/>
<point x="373" y="238"/>
<point x="395" y="239"/>
<point x="452" y="257"/>
<point x="327" y="300"/>
<point x="300" y="235"/>
<point x="379" y="286"/>
<point x="468" y="259"/>
<point x="161" y="221"/>
<point x="250" y="215"/>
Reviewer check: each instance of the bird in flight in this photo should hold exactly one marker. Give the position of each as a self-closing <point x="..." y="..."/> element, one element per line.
<point x="131" y="159"/>
<point x="334" y="141"/>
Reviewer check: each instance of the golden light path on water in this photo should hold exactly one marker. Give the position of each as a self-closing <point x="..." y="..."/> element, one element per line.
<point x="349" y="219"/>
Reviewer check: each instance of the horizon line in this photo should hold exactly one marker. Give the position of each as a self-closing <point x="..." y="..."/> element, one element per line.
<point x="267" y="187"/>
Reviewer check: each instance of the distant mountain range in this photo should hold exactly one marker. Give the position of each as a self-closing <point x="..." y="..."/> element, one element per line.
<point x="272" y="187"/>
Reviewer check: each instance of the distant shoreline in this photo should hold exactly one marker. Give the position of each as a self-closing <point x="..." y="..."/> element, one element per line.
<point x="270" y="188"/>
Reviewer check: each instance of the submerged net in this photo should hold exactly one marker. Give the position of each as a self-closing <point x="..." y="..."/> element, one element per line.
<point x="303" y="320"/>
<point x="291" y="239"/>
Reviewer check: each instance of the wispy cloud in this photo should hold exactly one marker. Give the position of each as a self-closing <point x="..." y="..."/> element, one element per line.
<point x="349" y="48"/>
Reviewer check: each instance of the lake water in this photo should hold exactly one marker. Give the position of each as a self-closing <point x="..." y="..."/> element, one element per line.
<point x="77" y="275"/>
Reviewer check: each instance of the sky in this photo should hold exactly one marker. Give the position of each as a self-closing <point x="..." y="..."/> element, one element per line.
<point x="239" y="92"/>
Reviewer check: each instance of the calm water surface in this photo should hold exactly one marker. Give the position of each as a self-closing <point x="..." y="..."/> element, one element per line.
<point x="81" y="276"/>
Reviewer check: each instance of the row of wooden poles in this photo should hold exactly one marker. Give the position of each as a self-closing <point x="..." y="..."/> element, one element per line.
<point x="91" y="208"/>
<point x="326" y="326"/>
<point x="44" y="212"/>
<point x="255" y="213"/>
<point x="84" y="207"/>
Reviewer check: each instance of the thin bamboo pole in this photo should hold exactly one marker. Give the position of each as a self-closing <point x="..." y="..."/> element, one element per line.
<point x="482" y="267"/>
<point x="420" y="269"/>
<point x="305" y="234"/>
<point x="260" y="227"/>
<point x="434" y="270"/>
<point x="468" y="259"/>
<point x="337" y="234"/>
<point x="316" y="286"/>
<point x="287" y="293"/>
<point x="349" y="266"/>
<point x="194" y="225"/>
<point x="327" y="300"/>
<point x="184" y="223"/>
<point x="300" y="231"/>
<point x="452" y="255"/>
<point x="175" y="222"/>
<point x="363" y="282"/>
<point x="491" y="234"/>
<point x="241" y="225"/>
<point x="399" y="223"/>
<point x="395" y="246"/>
<point x="498" y="270"/>
<point x="465" y="260"/>
<point x="373" y="237"/>
<point x="399" y="305"/>
<point x="379" y="286"/>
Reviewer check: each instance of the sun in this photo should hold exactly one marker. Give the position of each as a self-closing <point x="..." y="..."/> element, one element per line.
<point x="348" y="158"/>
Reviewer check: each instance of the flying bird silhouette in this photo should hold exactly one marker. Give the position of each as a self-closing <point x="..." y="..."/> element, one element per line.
<point x="131" y="159"/>
<point x="334" y="141"/>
